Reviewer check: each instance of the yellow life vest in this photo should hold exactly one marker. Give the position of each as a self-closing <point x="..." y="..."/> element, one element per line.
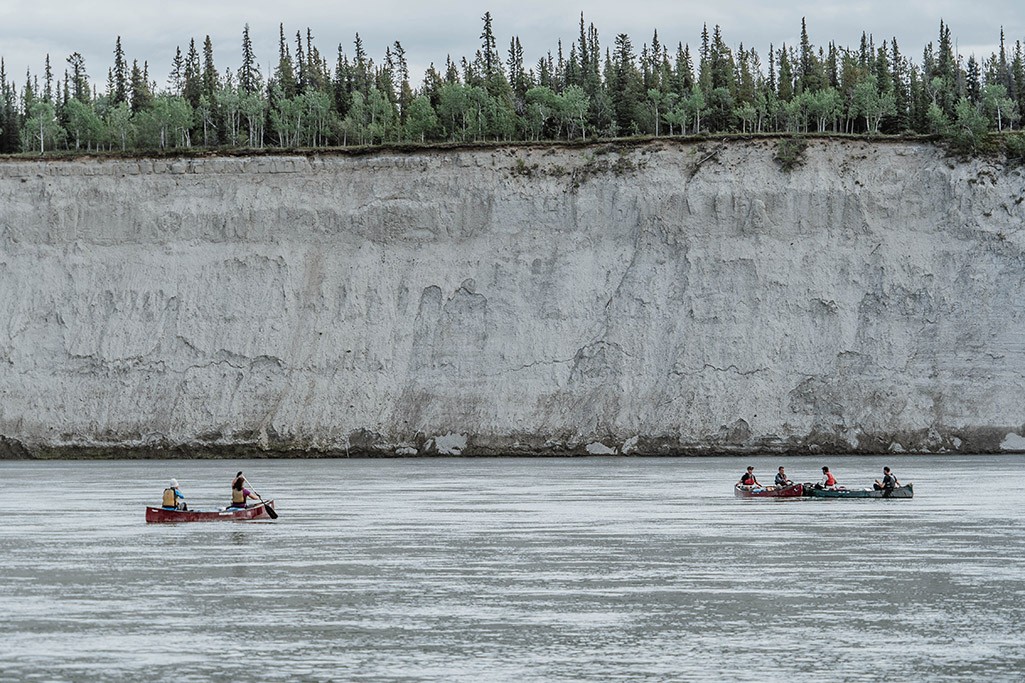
<point x="170" y="500"/>
<point x="237" y="497"/>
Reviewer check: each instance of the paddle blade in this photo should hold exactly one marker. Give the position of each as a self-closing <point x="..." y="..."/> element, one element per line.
<point x="270" y="511"/>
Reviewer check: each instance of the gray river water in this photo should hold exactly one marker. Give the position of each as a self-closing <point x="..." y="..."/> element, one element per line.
<point x="591" y="569"/>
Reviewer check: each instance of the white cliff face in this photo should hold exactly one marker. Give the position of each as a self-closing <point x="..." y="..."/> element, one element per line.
<point x="521" y="300"/>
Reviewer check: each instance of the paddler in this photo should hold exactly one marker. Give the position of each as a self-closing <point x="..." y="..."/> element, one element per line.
<point x="173" y="498"/>
<point x="239" y="492"/>
<point x="748" y="478"/>
<point x="828" y="480"/>
<point x="781" y="478"/>
<point x="888" y="483"/>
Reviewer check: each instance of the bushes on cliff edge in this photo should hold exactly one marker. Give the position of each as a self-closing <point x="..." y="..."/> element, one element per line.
<point x="969" y="133"/>
<point x="1014" y="147"/>
<point x="790" y="153"/>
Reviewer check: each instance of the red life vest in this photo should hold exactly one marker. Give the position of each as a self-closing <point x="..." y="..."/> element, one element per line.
<point x="830" y="479"/>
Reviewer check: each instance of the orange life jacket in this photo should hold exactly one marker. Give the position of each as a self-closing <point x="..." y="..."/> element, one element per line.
<point x="830" y="479"/>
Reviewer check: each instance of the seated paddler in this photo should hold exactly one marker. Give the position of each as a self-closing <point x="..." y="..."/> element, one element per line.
<point x="888" y="483"/>
<point x="173" y="498"/>
<point x="748" y="478"/>
<point x="240" y="493"/>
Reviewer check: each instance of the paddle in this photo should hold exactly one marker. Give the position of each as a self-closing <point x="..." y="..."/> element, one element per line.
<point x="268" y="508"/>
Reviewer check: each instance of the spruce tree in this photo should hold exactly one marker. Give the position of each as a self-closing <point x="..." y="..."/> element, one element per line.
<point x="80" y="88"/>
<point x="141" y="94"/>
<point x="704" y="66"/>
<point x="786" y="75"/>
<point x="10" y="128"/>
<point x="832" y="67"/>
<point x="684" y="71"/>
<point x="405" y="91"/>
<point x="489" y="51"/>
<point x="176" y="76"/>
<point x="284" y="74"/>
<point x="211" y="82"/>
<point x="249" y="80"/>
<point x="626" y="88"/>
<point x="342" y="83"/>
<point x="362" y="66"/>
<point x="48" y="81"/>
<point x="973" y="80"/>
<point x="517" y="75"/>
<point x="192" y="86"/>
<point x="901" y="94"/>
<point x="1018" y="77"/>
<point x="808" y="79"/>
<point x="302" y="79"/>
<point x="120" y="75"/>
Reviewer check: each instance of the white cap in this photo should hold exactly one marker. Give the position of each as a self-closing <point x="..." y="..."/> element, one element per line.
<point x="174" y="483"/>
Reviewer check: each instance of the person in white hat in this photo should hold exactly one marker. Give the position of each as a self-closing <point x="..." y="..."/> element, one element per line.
<point x="173" y="498"/>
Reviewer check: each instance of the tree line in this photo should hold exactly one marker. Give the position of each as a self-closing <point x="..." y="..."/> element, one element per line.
<point x="586" y="91"/>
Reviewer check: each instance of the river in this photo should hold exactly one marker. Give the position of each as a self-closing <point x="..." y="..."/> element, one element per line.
<point x="595" y="569"/>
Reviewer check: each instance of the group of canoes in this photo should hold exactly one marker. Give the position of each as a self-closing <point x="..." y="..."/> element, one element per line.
<point x="174" y="508"/>
<point x="827" y="487"/>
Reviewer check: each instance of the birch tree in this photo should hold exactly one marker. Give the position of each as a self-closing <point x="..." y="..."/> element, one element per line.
<point x="42" y="127"/>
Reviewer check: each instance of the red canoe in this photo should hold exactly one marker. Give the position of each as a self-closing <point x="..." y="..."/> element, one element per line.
<point x="258" y="511"/>
<point x="792" y="491"/>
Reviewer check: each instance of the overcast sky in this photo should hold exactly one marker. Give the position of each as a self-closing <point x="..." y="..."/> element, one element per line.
<point x="150" y="30"/>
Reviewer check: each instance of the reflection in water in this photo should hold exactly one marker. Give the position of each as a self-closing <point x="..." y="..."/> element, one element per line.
<point x="591" y="569"/>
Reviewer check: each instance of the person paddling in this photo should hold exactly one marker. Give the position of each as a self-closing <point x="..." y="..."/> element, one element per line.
<point x="828" y="480"/>
<point x="781" y="478"/>
<point x="888" y="483"/>
<point x="239" y="492"/>
<point x="173" y="498"/>
<point x="748" y="478"/>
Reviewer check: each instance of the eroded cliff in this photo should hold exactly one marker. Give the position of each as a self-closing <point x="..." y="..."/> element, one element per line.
<point x="664" y="298"/>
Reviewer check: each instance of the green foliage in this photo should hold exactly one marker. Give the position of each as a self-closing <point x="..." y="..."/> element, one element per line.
<point x="747" y="115"/>
<point x="998" y="106"/>
<point x="573" y="110"/>
<point x="167" y="124"/>
<point x="873" y="103"/>
<point x="938" y="123"/>
<point x="303" y="120"/>
<point x="119" y="127"/>
<point x="253" y="109"/>
<point x="790" y="153"/>
<point x="587" y="93"/>
<point x="520" y="168"/>
<point x="969" y="130"/>
<point x="696" y="107"/>
<point x="41" y="131"/>
<point x="286" y="118"/>
<point x="824" y="107"/>
<point x="794" y="114"/>
<point x="676" y="116"/>
<point x="1014" y="147"/>
<point x="83" y="125"/>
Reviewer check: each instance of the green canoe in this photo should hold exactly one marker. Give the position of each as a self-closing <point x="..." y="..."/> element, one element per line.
<point x="905" y="491"/>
